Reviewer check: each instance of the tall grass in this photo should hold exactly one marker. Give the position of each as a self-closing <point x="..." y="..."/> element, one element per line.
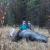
<point x="7" y="44"/>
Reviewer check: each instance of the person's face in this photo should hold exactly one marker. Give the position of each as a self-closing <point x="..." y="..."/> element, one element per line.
<point x="24" y="22"/>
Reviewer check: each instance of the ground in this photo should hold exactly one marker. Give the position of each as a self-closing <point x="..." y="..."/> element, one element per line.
<point x="6" y="44"/>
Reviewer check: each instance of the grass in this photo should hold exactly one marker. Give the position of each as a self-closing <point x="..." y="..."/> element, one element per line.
<point x="6" y="44"/>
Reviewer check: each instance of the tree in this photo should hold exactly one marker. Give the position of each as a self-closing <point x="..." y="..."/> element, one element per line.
<point x="33" y="7"/>
<point x="18" y="10"/>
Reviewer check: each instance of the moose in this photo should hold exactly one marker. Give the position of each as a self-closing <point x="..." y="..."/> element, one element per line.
<point x="28" y="35"/>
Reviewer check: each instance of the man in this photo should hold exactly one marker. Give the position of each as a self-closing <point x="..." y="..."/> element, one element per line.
<point x="29" y="25"/>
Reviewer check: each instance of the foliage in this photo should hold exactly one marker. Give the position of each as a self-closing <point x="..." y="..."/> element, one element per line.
<point x="18" y="10"/>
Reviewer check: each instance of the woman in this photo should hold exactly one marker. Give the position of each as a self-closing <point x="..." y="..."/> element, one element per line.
<point x="23" y="26"/>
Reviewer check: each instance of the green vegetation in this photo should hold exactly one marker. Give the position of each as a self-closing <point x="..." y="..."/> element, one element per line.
<point x="17" y="10"/>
